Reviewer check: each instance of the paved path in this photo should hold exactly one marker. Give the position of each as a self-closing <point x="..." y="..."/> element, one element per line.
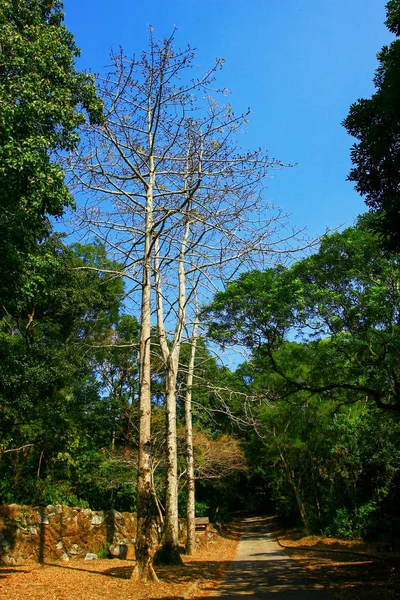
<point x="262" y="570"/>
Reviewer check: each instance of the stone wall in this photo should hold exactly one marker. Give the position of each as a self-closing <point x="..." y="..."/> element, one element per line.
<point x="63" y="533"/>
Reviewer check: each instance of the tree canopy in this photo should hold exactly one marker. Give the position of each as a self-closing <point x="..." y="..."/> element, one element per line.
<point x="43" y="102"/>
<point x="341" y="303"/>
<point x="375" y="122"/>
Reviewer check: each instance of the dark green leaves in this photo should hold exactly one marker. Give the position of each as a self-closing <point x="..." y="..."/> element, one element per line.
<point x="375" y="122"/>
<point x="342" y="304"/>
<point x="43" y="102"/>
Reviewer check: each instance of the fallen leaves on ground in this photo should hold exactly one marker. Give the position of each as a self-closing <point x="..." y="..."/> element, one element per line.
<point x="353" y="570"/>
<point x="106" y="579"/>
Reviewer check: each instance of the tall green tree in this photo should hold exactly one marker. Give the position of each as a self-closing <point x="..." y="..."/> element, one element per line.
<point x="43" y="102"/>
<point x="343" y="303"/>
<point x="326" y="452"/>
<point x="375" y="122"/>
<point x="46" y="374"/>
<point x="330" y="460"/>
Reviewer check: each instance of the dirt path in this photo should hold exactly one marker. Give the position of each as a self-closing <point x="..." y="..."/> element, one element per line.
<point x="262" y="570"/>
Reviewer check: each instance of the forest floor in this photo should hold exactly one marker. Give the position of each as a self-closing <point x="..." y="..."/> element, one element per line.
<point x="352" y="570"/>
<point x="109" y="579"/>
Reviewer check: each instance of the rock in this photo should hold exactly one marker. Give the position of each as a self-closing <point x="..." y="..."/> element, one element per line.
<point x="65" y="556"/>
<point x="97" y="519"/>
<point x="115" y="514"/>
<point x="74" y="549"/>
<point x="13" y="561"/>
<point x="91" y="556"/>
<point x="50" y="509"/>
<point x="117" y="550"/>
<point x="123" y="551"/>
<point x="60" y="545"/>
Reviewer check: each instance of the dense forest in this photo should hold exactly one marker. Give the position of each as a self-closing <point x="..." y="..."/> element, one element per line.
<point x="113" y="393"/>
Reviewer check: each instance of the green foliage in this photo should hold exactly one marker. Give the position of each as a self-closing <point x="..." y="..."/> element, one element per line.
<point x="349" y="525"/>
<point x="43" y="101"/>
<point x="324" y="407"/>
<point x="50" y="402"/>
<point x="375" y="122"/>
<point x="342" y="303"/>
<point x="52" y="492"/>
<point x="393" y="16"/>
<point x="104" y="551"/>
<point x="201" y="509"/>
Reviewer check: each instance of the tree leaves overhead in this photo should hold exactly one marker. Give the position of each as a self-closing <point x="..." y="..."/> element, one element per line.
<point x="342" y="304"/>
<point x="49" y="396"/>
<point x="375" y="122"/>
<point x="43" y="101"/>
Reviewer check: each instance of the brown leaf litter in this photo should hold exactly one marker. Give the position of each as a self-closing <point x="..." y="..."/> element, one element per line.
<point x="109" y="579"/>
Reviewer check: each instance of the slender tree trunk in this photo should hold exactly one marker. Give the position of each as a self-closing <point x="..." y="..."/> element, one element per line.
<point x="317" y="502"/>
<point x="156" y="500"/>
<point x="40" y="464"/>
<point x="170" y="553"/>
<point x="301" y="505"/>
<point x="190" y="510"/>
<point x="295" y="487"/>
<point x="144" y="548"/>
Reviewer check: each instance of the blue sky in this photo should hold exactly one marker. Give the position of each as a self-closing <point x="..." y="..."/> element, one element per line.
<point x="298" y="64"/>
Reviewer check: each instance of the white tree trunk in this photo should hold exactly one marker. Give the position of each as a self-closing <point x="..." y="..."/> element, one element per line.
<point x="190" y="510"/>
<point x="204" y="205"/>
<point x="171" y="535"/>
<point x="170" y="551"/>
<point x="144" y="549"/>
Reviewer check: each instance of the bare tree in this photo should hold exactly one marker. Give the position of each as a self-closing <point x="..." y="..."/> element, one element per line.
<point x="169" y="192"/>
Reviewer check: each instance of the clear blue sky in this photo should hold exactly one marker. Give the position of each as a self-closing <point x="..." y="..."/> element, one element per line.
<point x="298" y="64"/>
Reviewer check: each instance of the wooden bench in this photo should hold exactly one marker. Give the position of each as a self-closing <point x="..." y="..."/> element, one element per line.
<point x="201" y="524"/>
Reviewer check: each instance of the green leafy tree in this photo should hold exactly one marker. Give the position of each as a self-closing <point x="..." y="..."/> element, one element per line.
<point x="322" y="410"/>
<point x="343" y="303"/>
<point x="43" y="102"/>
<point x="331" y="460"/>
<point x="375" y="122"/>
<point x="361" y="473"/>
<point x="45" y="370"/>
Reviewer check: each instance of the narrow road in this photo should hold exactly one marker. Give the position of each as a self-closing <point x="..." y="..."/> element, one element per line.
<point x="262" y="570"/>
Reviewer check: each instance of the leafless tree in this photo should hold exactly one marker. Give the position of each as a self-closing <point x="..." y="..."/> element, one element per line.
<point x="171" y="194"/>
